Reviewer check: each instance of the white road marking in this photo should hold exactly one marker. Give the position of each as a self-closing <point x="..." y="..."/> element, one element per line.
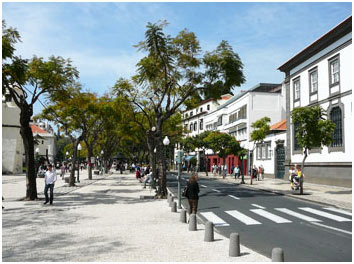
<point x="270" y="216"/>
<point x="325" y="214"/>
<point x="298" y="215"/>
<point x="216" y="190"/>
<point x="243" y="218"/>
<point x="333" y="228"/>
<point x="210" y="216"/>
<point x="203" y="186"/>
<point x="256" y="205"/>
<point x="234" y="197"/>
<point x="338" y="211"/>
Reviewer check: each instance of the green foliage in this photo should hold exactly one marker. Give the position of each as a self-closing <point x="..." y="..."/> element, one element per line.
<point x="261" y="129"/>
<point x="313" y="128"/>
<point x="223" y="71"/>
<point x="223" y="144"/>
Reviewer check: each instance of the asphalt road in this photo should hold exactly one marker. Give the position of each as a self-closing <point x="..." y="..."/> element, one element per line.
<point x="264" y="220"/>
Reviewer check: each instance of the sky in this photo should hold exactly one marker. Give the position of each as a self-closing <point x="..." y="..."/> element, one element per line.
<point x="99" y="37"/>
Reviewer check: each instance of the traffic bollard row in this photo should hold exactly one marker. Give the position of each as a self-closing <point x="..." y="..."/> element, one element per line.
<point x="209" y="232"/>
<point x="234" y="249"/>
<point x="174" y="207"/>
<point x="192" y="222"/>
<point x="183" y="216"/>
<point x="277" y="255"/>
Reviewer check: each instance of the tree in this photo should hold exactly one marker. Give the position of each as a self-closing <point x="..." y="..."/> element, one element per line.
<point x="313" y="130"/>
<point x="222" y="144"/>
<point x="71" y="111"/>
<point x="223" y="71"/>
<point x="26" y="81"/>
<point x="166" y="77"/>
<point x="260" y="131"/>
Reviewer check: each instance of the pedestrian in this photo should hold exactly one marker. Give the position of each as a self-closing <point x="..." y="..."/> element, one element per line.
<point x="148" y="179"/>
<point x="192" y="193"/>
<point x="254" y="172"/>
<point x="237" y="172"/>
<point x="50" y="179"/>
<point x="232" y="170"/>
<point x="62" y="171"/>
<point x="259" y="175"/>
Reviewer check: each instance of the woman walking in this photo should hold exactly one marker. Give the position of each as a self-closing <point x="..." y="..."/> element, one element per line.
<point x="192" y="193"/>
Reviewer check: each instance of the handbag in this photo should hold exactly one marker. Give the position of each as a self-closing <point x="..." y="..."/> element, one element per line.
<point x="185" y="190"/>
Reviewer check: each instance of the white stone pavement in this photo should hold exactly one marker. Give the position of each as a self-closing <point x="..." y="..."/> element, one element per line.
<point x="104" y="221"/>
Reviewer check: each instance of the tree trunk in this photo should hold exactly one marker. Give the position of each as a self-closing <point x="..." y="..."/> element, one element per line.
<point x="73" y="167"/>
<point x="161" y="157"/>
<point x="152" y="157"/>
<point x="27" y="137"/>
<point x="302" y="172"/>
<point x="205" y="163"/>
<point x="90" y="154"/>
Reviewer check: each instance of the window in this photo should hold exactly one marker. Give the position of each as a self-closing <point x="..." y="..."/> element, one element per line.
<point x="201" y="124"/>
<point x="296" y="84"/>
<point x="201" y="109"/>
<point x="42" y="142"/>
<point x="334" y="71"/>
<point x="191" y="127"/>
<point x="336" y="117"/>
<point x="219" y="120"/>
<point x="313" y="81"/>
<point x="263" y="151"/>
<point x="186" y="115"/>
<point x="195" y="126"/>
<point x="208" y="107"/>
<point x="191" y="113"/>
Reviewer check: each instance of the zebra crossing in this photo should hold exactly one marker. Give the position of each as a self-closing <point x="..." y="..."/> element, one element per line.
<point x="285" y="215"/>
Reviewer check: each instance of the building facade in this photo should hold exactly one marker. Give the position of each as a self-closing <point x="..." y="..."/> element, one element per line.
<point x="12" y="144"/>
<point x="236" y="116"/>
<point x="321" y="74"/>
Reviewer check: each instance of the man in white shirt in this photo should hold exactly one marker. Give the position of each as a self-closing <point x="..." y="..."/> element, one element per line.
<point x="50" y="178"/>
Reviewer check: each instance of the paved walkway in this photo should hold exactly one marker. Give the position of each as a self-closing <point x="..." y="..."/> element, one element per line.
<point x="103" y="220"/>
<point x="340" y="197"/>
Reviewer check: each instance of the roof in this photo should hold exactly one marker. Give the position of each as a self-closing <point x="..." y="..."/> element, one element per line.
<point x="38" y="130"/>
<point x="261" y="87"/>
<point x="279" y="126"/>
<point x="324" y="41"/>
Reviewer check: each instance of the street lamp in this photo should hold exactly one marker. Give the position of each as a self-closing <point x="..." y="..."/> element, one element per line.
<point x="102" y="161"/>
<point x="78" y="164"/>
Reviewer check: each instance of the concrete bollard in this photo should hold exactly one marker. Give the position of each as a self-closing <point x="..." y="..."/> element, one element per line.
<point x="209" y="232"/>
<point x="192" y="222"/>
<point x="174" y="207"/>
<point x="169" y="198"/>
<point x="171" y="201"/>
<point x="234" y="250"/>
<point x="183" y="216"/>
<point x="277" y="255"/>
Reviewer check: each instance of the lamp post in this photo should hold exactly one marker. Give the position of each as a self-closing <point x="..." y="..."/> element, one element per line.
<point x="102" y="161"/>
<point x="78" y="164"/>
<point x="243" y="177"/>
<point x="165" y="141"/>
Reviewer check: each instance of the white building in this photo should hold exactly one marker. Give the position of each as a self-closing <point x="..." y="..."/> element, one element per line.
<point x="237" y="115"/>
<point x="46" y="138"/>
<point x="12" y="144"/>
<point x="321" y="74"/>
<point x="193" y="119"/>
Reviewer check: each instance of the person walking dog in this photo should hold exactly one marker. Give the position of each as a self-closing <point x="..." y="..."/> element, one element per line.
<point x="192" y="193"/>
<point x="50" y="178"/>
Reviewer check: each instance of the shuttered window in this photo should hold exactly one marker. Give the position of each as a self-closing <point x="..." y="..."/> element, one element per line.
<point x="336" y="117"/>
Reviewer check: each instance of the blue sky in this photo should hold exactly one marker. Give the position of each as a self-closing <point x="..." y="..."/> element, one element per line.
<point x="99" y="37"/>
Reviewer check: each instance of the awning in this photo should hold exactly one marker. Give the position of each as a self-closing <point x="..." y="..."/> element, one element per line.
<point x="189" y="157"/>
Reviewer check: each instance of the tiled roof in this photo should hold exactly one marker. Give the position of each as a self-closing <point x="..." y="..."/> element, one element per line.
<point x="279" y="126"/>
<point x="38" y="130"/>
